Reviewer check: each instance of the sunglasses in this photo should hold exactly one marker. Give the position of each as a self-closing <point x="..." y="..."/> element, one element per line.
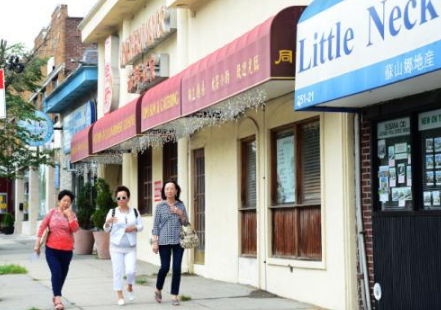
<point x="121" y="198"/>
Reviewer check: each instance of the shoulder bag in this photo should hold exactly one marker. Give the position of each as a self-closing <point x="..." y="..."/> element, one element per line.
<point x="189" y="237"/>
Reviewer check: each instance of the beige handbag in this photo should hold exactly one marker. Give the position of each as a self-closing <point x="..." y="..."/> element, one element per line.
<point x="189" y="237"/>
<point x="44" y="237"/>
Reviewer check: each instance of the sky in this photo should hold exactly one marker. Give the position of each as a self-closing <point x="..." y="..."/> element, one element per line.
<point x="22" y="20"/>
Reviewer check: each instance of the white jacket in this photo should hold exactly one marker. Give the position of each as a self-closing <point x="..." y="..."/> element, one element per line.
<point x="117" y="230"/>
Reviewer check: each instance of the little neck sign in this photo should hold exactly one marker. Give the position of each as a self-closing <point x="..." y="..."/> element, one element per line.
<point x="348" y="47"/>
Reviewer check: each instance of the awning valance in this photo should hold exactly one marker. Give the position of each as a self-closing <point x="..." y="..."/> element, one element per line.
<point x="264" y="54"/>
<point x="81" y="145"/>
<point x="117" y="127"/>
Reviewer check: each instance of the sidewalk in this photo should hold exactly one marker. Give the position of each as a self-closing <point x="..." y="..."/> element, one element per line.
<point x="89" y="286"/>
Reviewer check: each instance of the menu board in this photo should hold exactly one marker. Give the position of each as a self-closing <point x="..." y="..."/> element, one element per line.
<point x="394" y="164"/>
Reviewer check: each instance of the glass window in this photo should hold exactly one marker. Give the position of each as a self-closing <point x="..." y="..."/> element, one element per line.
<point x="170" y="161"/>
<point x="145" y="185"/>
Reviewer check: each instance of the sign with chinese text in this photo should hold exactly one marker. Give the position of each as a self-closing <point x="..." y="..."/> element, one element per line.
<point x="2" y="95"/>
<point x="76" y="121"/>
<point x="111" y="74"/>
<point x="81" y="145"/>
<point x="380" y="43"/>
<point x="158" y="27"/>
<point x="157" y="190"/>
<point x="260" y="55"/>
<point x="41" y="130"/>
<point x="429" y="120"/>
<point x="149" y="73"/>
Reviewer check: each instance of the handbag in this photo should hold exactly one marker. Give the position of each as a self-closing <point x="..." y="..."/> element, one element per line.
<point x="189" y="237"/>
<point x="44" y="237"/>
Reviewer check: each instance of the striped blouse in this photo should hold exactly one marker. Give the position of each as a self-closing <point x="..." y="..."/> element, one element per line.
<point x="167" y="225"/>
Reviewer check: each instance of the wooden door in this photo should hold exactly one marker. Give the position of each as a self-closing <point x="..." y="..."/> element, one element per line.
<point x="199" y="203"/>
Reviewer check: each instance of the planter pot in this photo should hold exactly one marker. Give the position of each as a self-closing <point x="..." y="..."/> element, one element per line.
<point x="102" y="244"/>
<point x="83" y="242"/>
<point x="8" y="230"/>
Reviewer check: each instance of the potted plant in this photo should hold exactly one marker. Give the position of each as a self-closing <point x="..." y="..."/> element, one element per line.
<point x="104" y="203"/>
<point x="7" y="224"/>
<point x="83" y="238"/>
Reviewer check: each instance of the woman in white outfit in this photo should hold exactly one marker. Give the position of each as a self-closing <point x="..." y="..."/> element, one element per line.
<point x="123" y="223"/>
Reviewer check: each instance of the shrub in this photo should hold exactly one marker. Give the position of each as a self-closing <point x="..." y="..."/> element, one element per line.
<point x="86" y="206"/>
<point x="104" y="203"/>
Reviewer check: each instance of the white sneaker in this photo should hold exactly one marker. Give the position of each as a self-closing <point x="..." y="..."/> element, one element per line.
<point x="131" y="295"/>
<point x="121" y="302"/>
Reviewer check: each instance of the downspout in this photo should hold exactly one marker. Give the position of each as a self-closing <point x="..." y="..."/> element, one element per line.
<point x="363" y="277"/>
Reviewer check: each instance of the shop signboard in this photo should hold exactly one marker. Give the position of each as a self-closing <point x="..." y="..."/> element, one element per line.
<point x="41" y="130"/>
<point x="2" y="95"/>
<point x="76" y="121"/>
<point x="111" y="74"/>
<point x="380" y="51"/>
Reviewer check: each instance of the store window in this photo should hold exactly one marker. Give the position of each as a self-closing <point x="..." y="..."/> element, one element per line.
<point x="170" y="161"/>
<point x="145" y="198"/>
<point x="399" y="149"/>
<point x="248" y="220"/>
<point x="296" y="191"/>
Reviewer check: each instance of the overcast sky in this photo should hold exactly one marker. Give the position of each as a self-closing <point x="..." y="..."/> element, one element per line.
<point x="22" y="20"/>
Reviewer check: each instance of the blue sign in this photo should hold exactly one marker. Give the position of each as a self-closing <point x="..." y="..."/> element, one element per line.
<point x="57" y="177"/>
<point x="378" y="44"/>
<point x="76" y="121"/>
<point x="41" y="130"/>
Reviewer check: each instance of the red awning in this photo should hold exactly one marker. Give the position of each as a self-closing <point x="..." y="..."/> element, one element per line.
<point x="262" y="54"/>
<point x="162" y="103"/>
<point x="81" y="145"/>
<point x="117" y="126"/>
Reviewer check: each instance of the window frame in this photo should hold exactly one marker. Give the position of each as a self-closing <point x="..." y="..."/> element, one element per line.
<point x="145" y="161"/>
<point x="169" y="156"/>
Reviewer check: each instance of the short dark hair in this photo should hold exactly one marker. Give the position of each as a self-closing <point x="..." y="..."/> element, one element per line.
<point x="122" y="188"/>
<point x="65" y="192"/>
<point x="178" y="188"/>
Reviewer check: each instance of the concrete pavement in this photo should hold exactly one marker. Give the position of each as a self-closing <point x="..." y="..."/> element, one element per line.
<point x="89" y="286"/>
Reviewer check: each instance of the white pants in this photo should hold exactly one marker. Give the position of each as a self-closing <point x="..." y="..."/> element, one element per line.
<point x="119" y="261"/>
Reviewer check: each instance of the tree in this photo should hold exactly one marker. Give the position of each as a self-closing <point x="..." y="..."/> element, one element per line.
<point x="20" y="81"/>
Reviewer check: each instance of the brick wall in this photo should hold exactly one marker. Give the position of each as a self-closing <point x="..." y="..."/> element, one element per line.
<point x="366" y="198"/>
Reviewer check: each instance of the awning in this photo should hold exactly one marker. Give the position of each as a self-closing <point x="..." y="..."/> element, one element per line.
<point x="117" y="127"/>
<point x="81" y="145"/>
<point x="352" y="54"/>
<point x="263" y="57"/>
<point x="76" y="85"/>
<point x="161" y="104"/>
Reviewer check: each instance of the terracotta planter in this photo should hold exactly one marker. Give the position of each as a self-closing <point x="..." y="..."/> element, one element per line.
<point x="102" y="244"/>
<point x="83" y="242"/>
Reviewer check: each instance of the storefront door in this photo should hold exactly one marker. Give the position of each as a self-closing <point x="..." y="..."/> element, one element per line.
<point x="199" y="203"/>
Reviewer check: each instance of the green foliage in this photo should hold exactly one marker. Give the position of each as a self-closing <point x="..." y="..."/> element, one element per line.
<point x="7" y="220"/>
<point x="86" y="206"/>
<point x="185" y="298"/>
<point x="14" y="153"/>
<point x="141" y="281"/>
<point x="12" y="269"/>
<point x="104" y="202"/>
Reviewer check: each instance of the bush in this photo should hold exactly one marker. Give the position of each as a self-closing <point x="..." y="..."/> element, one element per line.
<point x="7" y="221"/>
<point x="104" y="203"/>
<point x="86" y="206"/>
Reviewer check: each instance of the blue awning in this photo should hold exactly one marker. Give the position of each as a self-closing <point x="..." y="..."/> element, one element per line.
<point x="76" y="85"/>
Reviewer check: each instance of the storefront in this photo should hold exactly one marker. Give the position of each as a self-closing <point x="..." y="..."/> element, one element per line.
<point x="383" y="63"/>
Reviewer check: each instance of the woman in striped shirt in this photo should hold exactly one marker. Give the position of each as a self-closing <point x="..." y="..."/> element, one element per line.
<point x="62" y="223"/>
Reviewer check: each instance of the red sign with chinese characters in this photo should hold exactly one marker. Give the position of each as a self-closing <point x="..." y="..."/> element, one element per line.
<point x="81" y="145"/>
<point x="2" y="95"/>
<point x="157" y="190"/>
<point x="262" y="54"/>
<point x="162" y="103"/>
<point x="117" y="126"/>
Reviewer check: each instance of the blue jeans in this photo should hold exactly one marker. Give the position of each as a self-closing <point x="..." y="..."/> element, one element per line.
<point x="58" y="261"/>
<point x="165" y="252"/>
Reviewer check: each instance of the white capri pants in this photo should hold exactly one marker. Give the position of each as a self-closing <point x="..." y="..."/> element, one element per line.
<point x="121" y="259"/>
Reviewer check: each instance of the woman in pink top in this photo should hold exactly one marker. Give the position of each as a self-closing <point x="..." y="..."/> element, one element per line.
<point x="62" y="223"/>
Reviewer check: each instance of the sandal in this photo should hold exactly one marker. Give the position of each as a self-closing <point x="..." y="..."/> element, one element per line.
<point x="158" y="297"/>
<point x="58" y="305"/>
<point x="175" y="302"/>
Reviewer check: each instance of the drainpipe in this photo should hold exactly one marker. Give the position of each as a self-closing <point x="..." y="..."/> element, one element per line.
<point x="363" y="278"/>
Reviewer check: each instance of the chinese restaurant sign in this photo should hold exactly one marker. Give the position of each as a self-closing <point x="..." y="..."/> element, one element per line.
<point x="146" y="75"/>
<point x="76" y="121"/>
<point x="162" y="103"/>
<point x="262" y="54"/>
<point x="111" y="74"/>
<point x="116" y="127"/>
<point x="378" y="44"/>
<point x="2" y="95"/>
<point x="159" y="27"/>
<point x="81" y="145"/>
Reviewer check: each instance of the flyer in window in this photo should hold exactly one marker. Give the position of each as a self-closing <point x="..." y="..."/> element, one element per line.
<point x="429" y="162"/>
<point x="409" y="175"/>
<point x="436" y="198"/>
<point x="427" y="199"/>
<point x="429" y="145"/>
<point x="430" y="178"/>
<point x="401" y="148"/>
<point x="391" y="155"/>
<point x="437" y="144"/>
<point x="438" y="161"/>
<point x="392" y="177"/>
<point x="409" y="156"/>
<point x="383" y="171"/>
<point x="438" y="177"/>
<point x="401" y="173"/>
<point x="401" y="194"/>
<point x="381" y="149"/>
